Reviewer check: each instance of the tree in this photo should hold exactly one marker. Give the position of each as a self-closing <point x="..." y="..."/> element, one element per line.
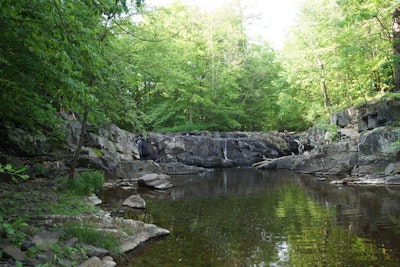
<point x="338" y="54"/>
<point x="396" y="47"/>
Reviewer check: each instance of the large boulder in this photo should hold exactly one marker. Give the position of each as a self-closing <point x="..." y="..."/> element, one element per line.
<point x="374" y="150"/>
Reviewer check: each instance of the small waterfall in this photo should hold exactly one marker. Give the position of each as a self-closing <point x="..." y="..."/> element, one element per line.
<point x="225" y="149"/>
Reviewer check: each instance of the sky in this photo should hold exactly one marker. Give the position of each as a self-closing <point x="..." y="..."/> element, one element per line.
<point x="275" y="16"/>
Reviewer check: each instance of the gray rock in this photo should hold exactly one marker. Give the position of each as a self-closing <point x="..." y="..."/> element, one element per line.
<point x="14" y="253"/>
<point x="92" y="262"/>
<point x="94" y="200"/>
<point x="108" y="262"/>
<point x="392" y="168"/>
<point x="134" y="201"/>
<point x="156" y="181"/>
<point x="45" y="238"/>
<point x="374" y="153"/>
<point x="373" y="115"/>
<point x="93" y="251"/>
<point x="393" y="180"/>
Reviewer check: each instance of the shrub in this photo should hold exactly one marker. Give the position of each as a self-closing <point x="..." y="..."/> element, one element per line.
<point x="84" y="183"/>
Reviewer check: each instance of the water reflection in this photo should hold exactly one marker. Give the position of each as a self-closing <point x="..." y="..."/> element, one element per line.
<point x="252" y="218"/>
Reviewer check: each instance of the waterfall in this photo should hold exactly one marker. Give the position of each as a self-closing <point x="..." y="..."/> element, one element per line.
<point x="225" y="150"/>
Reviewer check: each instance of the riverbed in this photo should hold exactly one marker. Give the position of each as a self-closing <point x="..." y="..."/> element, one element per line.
<point x="247" y="217"/>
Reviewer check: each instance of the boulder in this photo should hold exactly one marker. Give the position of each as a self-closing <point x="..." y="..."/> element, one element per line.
<point x="14" y="253"/>
<point x="337" y="158"/>
<point x="94" y="200"/>
<point x="374" y="152"/>
<point x="156" y="181"/>
<point x="392" y="169"/>
<point x="134" y="201"/>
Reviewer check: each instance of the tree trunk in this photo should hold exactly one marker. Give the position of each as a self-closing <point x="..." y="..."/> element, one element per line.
<point x="396" y="47"/>
<point x="80" y="143"/>
<point x="324" y="89"/>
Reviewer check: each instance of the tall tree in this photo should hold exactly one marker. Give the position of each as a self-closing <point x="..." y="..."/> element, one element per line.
<point x="396" y="47"/>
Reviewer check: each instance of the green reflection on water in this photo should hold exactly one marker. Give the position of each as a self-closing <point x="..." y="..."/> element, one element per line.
<point x="281" y="227"/>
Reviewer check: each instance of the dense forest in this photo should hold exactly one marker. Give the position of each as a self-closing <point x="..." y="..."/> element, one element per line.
<point x="182" y="68"/>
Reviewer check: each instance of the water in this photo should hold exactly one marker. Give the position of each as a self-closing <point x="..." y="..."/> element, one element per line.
<point x="245" y="217"/>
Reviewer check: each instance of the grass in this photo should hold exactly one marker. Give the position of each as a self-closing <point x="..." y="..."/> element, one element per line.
<point x="92" y="236"/>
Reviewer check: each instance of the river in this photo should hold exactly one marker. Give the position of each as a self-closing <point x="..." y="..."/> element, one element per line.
<point x="247" y="217"/>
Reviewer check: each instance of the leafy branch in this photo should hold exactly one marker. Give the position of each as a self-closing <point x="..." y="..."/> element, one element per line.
<point x="14" y="173"/>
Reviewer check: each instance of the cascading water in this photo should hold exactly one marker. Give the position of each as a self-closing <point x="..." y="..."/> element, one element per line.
<point x="225" y="149"/>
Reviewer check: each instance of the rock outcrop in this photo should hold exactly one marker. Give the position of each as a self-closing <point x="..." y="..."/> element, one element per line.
<point x="362" y="147"/>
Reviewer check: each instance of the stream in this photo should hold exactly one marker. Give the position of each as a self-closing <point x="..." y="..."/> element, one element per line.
<point x="248" y="217"/>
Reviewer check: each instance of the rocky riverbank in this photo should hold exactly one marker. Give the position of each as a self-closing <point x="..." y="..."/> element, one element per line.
<point x="361" y="150"/>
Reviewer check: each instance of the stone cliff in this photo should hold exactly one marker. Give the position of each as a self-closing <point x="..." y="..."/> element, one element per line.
<point x="362" y="146"/>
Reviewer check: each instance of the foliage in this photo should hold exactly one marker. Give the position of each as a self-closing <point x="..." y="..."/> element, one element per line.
<point x="14" y="173"/>
<point x="337" y="54"/>
<point x="84" y="183"/>
<point x="180" y="67"/>
<point x="11" y="230"/>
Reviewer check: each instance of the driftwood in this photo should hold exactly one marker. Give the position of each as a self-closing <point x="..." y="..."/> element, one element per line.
<point x="285" y="162"/>
<point x="262" y="162"/>
<point x="266" y="164"/>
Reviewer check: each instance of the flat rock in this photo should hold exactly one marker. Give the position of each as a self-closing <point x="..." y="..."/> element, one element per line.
<point x="155" y="181"/>
<point x="94" y="200"/>
<point x="45" y="238"/>
<point x="14" y="253"/>
<point x="135" y="201"/>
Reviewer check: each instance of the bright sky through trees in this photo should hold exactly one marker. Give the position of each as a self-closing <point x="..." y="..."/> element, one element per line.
<point x="274" y="17"/>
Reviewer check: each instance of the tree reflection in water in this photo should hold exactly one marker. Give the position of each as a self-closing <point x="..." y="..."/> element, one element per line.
<point x="253" y="218"/>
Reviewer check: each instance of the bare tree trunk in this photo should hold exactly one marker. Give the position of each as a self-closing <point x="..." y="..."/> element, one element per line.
<point x="324" y="89"/>
<point x="396" y="47"/>
<point x="80" y="143"/>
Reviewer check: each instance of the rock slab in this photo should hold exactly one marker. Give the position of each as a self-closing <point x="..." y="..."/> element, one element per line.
<point x="155" y="181"/>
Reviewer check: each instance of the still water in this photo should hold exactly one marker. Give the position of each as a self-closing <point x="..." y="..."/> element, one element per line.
<point x="246" y="217"/>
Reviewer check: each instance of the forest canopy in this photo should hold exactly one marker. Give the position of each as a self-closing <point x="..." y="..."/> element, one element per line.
<point x="182" y="68"/>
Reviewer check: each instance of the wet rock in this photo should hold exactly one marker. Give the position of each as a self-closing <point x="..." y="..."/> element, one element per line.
<point x="156" y="181"/>
<point x="178" y="168"/>
<point x="14" y="253"/>
<point x="393" y="180"/>
<point x="134" y="201"/>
